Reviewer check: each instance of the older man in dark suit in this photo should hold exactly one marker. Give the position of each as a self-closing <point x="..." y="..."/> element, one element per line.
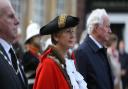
<point x="11" y="73"/>
<point x="91" y="58"/>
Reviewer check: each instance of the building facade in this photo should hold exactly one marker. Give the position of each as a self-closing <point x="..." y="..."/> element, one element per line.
<point x="41" y="11"/>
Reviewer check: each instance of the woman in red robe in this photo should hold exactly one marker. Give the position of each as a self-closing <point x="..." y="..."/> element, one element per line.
<point x="56" y="69"/>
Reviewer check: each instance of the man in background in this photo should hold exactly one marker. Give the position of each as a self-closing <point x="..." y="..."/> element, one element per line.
<point x="123" y="57"/>
<point x="33" y="51"/>
<point x="91" y="57"/>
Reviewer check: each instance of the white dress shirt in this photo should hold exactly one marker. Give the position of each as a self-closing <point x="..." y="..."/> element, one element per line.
<point x="6" y="47"/>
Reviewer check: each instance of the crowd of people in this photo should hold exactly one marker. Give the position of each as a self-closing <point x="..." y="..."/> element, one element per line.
<point x="98" y="62"/>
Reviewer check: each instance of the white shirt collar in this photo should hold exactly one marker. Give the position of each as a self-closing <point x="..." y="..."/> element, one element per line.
<point x="95" y="41"/>
<point x="6" y="47"/>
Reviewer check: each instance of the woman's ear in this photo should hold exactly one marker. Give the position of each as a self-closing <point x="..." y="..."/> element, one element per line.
<point x="55" y="37"/>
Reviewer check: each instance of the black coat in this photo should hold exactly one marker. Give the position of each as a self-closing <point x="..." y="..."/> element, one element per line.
<point x="8" y="78"/>
<point x="30" y="63"/>
<point x="123" y="58"/>
<point x="93" y="64"/>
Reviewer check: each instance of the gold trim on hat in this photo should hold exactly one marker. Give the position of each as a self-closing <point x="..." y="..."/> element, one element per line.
<point x="62" y="21"/>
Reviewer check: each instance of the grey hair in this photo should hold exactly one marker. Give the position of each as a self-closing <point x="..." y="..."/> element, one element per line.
<point x="96" y="17"/>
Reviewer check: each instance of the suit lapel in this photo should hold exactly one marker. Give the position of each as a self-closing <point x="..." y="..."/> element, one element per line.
<point x="91" y="43"/>
<point x="25" y="82"/>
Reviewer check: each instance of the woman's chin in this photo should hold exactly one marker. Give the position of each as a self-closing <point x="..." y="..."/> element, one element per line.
<point x="70" y="46"/>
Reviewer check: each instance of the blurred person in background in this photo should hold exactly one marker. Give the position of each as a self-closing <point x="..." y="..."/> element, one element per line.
<point x="123" y="57"/>
<point x="56" y="69"/>
<point x="83" y="35"/>
<point x="91" y="55"/>
<point x="113" y="55"/>
<point x="47" y="43"/>
<point x="11" y="73"/>
<point x="18" y="50"/>
<point x="33" y="51"/>
<point x="18" y="47"/>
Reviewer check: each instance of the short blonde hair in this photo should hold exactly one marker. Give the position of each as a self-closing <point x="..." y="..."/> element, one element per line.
<point x="96" y="17"/>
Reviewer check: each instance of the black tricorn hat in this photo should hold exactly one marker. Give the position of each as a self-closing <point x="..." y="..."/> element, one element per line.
<point x="59" y="23"/>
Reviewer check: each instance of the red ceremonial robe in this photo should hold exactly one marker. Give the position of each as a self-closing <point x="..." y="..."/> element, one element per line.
<point x="50" y="73"/>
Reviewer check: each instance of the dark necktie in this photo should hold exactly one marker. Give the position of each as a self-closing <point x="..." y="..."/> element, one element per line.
<point x="13" y="59"/>
<point x="15" y="65"/>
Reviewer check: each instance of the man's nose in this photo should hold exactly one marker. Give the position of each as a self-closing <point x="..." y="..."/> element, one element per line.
<point x="110" y="31"/>
<point x="16" y="21"/>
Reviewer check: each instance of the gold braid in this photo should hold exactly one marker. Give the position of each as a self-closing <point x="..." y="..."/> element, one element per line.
<point x="62" y="21"/>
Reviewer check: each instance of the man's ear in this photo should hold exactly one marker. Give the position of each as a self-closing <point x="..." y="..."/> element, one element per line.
<point x="95" y="28"/>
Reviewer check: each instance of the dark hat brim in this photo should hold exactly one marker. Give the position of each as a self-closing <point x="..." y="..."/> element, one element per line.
<point x="52" y="27"/>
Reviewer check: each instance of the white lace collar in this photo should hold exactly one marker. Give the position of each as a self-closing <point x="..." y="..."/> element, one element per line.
<point x="76" y="78"/>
